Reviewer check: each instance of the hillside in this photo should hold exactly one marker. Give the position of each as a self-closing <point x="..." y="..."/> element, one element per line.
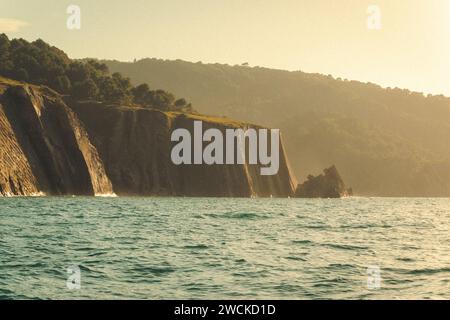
<point x="385" y="142"/>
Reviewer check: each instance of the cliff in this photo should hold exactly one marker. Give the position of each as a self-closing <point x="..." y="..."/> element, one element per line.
<point x="326" y="185"/>
<point x="135" y="146"/>
<point x="44" y="147"/>
<point x="55" y="147"/>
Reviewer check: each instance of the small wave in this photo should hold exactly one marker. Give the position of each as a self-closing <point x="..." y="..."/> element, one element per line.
<point x="6" y="294"/>
<point x="366" y="226"/>
<point x="98" y="253"/>
<point x="243" y="215"/>
<point x="415" y="272"/>
<point x="344" y="246"/>
<point x="319" y="226"/>
<point x="324" y="285"/>
<point x="32" y="195"/>
<point x="239" y="215"/>
<point x="406" y="259"/>
<point x="340" y="266"/>
<point x="427" y="271"/>
<point x="196" y="246"/>
<point x="156" y="271"/>
<point x="106" y="195"/>
<point x="302" y="241"/>
<point x="295" y="258"/>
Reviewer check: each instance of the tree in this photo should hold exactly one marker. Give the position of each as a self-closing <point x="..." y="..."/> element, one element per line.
<point x="100" y="68"/>
<point x="5" y="59"/>
<point x="141" y="94"/>
<point x="27" y="63"/>
<point x="77" y="72"/>
<point x="123" y="83"/>
<point x="86" y="89"/>
<point x="40" y="63"/>
<point x="111" y="90"/>
<point x="22" y="74"/>
<point x="162" y="100"/>
<point x="62" y="84"/>
<point x="180" y="103"/>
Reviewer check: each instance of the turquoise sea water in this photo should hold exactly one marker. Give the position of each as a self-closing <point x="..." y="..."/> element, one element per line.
<point x="185" y="248"/>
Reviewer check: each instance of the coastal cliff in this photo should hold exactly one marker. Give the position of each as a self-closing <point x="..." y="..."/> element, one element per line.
<point x="44" y="147"/>
<point x="55" y="147"/>
<point x="135" y="146"/>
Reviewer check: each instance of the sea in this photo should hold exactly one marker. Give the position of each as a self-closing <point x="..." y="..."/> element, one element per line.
<point x="224" y="248"/>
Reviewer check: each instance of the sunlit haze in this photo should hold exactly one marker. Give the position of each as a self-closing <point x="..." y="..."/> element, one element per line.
<point x="411" y="50"/>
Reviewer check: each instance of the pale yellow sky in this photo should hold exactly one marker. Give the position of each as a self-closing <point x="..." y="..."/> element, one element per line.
<point x="412" y="49"/>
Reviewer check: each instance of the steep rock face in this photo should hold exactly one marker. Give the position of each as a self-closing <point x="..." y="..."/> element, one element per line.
<point x="327" y="185"/>
<point x="135" y="147"/>
<point x="44" y="147"/>
<point x="16" y="176"/>
<point x="52" y="147"/>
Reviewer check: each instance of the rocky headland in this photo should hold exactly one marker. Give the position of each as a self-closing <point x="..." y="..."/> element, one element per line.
<point x="55" y="146"/>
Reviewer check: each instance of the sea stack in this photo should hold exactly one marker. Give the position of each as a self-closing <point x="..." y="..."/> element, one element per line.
<point x="326" y="185"/>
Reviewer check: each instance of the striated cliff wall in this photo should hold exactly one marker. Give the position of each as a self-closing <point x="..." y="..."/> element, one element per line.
<point x="135" y="146"/>
<point x="44" y="147"/>
<point x="60" y="148"/>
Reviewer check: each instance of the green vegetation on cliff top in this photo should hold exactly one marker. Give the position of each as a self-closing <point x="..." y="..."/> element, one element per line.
<point x="39" y="63"/>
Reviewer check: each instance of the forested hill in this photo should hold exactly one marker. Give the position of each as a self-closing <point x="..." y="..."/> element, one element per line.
<point x="39" y="63"/>
<point x="388" y="142"/>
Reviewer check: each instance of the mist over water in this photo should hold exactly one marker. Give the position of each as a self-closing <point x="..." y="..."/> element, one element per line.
<point x="186" y="248"/>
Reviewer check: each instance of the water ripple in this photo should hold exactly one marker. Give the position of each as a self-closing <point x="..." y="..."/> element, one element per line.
<point x="186" y="248"/>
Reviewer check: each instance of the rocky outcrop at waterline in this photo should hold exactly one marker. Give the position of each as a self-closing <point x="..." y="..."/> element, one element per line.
<point x="55" y="147"/>
<point x="326" y="185"/>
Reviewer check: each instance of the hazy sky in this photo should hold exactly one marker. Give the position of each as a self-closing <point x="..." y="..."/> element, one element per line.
<point x="411" y="50"/>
